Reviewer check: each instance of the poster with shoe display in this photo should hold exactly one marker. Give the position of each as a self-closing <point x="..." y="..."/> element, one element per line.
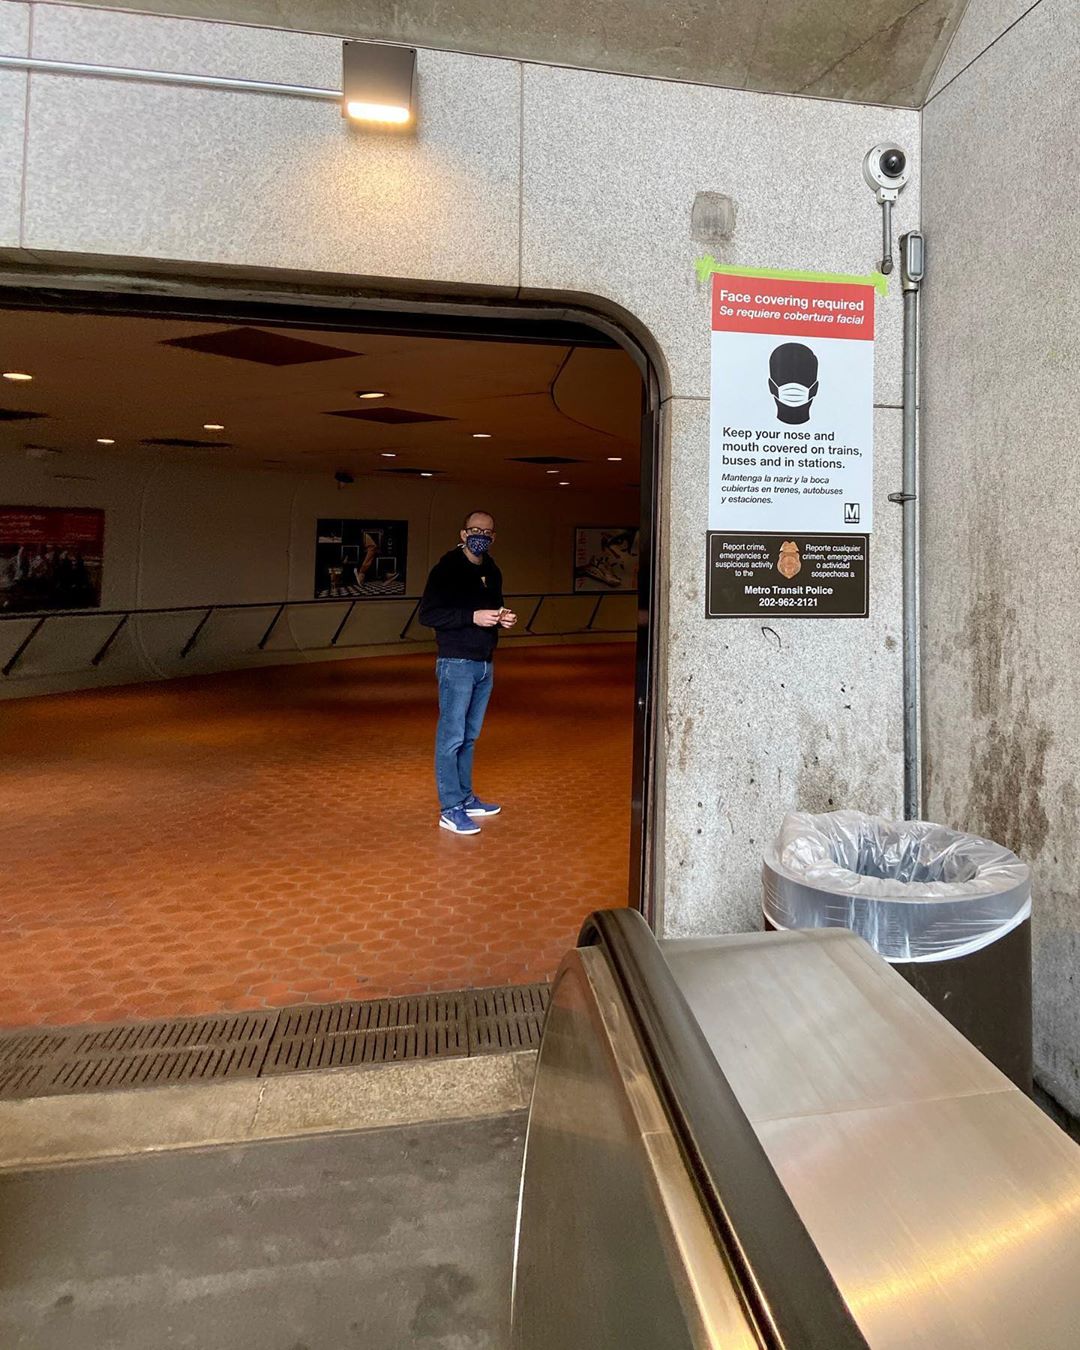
<point x="791" y="445"/>
<point x="50" y="557"/>
<point x="360" y="558"/>
<point x="606" y="557"/>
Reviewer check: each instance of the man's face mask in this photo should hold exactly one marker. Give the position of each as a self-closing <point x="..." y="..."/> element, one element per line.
<point x="793" y="381"/>
<point x="478" y="544"/>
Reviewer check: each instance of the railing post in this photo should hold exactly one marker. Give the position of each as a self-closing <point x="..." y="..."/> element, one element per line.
<point x="102" y="651"/>
<point x="409" y="620"/>
<point x="16" y="656"/>
<point x="341" y="626"/>
<point x="273" y="624"/>
<point x="190" y="643"/>
<point x="532" y="616"/>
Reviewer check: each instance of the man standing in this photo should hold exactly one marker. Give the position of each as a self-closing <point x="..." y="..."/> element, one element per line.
<point x="463" y="602"/>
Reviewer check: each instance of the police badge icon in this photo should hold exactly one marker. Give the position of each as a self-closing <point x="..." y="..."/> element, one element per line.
<point x="789" y="564"/>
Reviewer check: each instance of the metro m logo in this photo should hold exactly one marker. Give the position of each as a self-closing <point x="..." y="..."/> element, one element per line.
<point x="851" y="513"/>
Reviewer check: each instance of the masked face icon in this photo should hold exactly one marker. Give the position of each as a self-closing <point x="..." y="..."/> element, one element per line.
<point x="793" y="381"/>
<point x="789" y="564"/>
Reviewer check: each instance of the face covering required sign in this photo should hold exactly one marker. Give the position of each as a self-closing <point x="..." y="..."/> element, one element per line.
<point x="791" y="457"/>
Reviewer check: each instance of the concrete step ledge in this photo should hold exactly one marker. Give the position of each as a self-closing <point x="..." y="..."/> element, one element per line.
<point x="40" y="1130"/>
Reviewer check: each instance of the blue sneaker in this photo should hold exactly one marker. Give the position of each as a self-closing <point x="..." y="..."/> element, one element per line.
<point x="457" y="822"/>
<point x="475" y="807"/>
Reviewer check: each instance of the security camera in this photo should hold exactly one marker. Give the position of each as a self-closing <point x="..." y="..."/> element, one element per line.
<point x="886" y="169"/>
<point x="343" y="479"/>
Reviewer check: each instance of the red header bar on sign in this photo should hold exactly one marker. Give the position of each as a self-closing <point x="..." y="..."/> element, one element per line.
<point x="824" y="309"/>
<point x="51" y="525"/>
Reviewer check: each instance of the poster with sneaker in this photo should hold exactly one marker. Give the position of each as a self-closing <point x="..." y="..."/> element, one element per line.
<point x="606" y="557"/>
<point x="791" y="445"/>
<point x="358" y="559"/>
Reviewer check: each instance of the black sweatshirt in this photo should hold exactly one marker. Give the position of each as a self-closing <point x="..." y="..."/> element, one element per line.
<point x="455" y="590"/>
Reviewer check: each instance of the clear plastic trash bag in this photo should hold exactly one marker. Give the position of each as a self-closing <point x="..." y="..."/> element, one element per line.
<point x="915" y="891"/>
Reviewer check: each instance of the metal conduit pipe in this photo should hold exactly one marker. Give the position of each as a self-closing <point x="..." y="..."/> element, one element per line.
<point x="912" y="260"/>
<point x="136" y="76"/>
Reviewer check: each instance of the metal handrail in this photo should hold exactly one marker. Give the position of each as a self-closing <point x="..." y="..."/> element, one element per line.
<point x="279" y="607"/>
<point x="786" y="1287"/>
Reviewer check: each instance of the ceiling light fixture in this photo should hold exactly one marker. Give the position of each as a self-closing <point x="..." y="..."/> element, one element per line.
<point x="17" y="375"/>
<point x="377" y="83"/>
<point x="213" y="426"/>
<point x="388" y="454"/>
<point x="564" y="483"/>
<point x="614" y="459"/>
<point x="481" y="435"/>
<point x="553" y="471"/>
<point x="105" y="440"/>
<point x="426" y="473"/>
<point x="371" y="393"/>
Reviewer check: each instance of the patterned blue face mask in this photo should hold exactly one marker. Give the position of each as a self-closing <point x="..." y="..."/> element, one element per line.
<point x="478" y="544"/>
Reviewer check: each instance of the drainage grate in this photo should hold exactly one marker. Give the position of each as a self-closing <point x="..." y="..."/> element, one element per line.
<point x="252" y="1045"/>
<point x="370" y="1033"/>
<point x="134" y="1054"/>
<point x="506" y="1019"/>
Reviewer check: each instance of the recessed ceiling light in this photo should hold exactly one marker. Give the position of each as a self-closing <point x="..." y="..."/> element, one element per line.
<point x="105" y="440"/>
<point x="213" y="426"/>
<point x="388" y="454"/>
<point x="614" y="459"/>
<point x="17" y="375"/>
<point x="553" y="471"/>
<point x="371" y="393"/>
<point x="481" y="435"/>
<point x="564" y="483"/>
<point x="426" y="473"/>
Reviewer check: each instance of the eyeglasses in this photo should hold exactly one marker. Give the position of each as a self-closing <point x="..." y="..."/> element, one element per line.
<point x="475" y="530"/>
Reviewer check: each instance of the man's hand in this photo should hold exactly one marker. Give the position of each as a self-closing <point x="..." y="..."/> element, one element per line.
<point x="507" y="618"/>
<point x="486" y="618"/>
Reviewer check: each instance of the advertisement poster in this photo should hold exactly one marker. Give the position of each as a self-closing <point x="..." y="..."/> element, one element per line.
<point x="606" y="557"/>
<point x="359" y="558"/>
<point x="50" y="557"/>
<point x="791" y="450"/>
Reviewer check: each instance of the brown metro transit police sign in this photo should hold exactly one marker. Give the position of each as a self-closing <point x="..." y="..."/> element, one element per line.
<point x="787" y="576"/>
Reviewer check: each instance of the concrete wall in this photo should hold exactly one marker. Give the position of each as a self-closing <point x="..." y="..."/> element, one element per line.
<point x="1001" y="471"/>
<point x="865" y="50"/>
<point x="527" y="181"/>
<point x="182" y="533"/>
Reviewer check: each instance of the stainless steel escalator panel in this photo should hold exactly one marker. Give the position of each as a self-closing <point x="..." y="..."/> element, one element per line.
<point x="814" y="1021"/>
<point x="614" y="1249"/>
<point x="945" y="1204"/>
<point x="951" y="1223"/>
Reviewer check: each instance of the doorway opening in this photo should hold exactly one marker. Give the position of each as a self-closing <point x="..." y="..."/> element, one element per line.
<point x="218" y="703"/>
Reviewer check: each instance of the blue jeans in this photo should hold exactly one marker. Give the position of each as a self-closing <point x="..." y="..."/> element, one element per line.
<point x="464" y="690"/>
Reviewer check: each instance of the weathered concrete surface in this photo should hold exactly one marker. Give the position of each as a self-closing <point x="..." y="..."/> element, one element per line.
<point x="1001" y="474"/>
<point x="873" y="51"/>
<point x="983" y="22"/>
<point x="38" y="1130"/>
<point x="379" y="1241"/>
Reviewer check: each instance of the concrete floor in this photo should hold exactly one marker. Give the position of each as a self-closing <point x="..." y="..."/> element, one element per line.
<point x="379" y="1240"/>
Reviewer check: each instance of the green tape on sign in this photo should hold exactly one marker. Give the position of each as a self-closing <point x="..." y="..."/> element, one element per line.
<point x="707" y="267"/>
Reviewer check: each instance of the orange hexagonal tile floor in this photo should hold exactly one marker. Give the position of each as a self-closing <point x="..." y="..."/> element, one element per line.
<point x="269" y="837"/>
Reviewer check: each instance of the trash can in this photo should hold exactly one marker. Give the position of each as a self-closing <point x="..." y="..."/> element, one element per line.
<point x="951" y="912"/>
